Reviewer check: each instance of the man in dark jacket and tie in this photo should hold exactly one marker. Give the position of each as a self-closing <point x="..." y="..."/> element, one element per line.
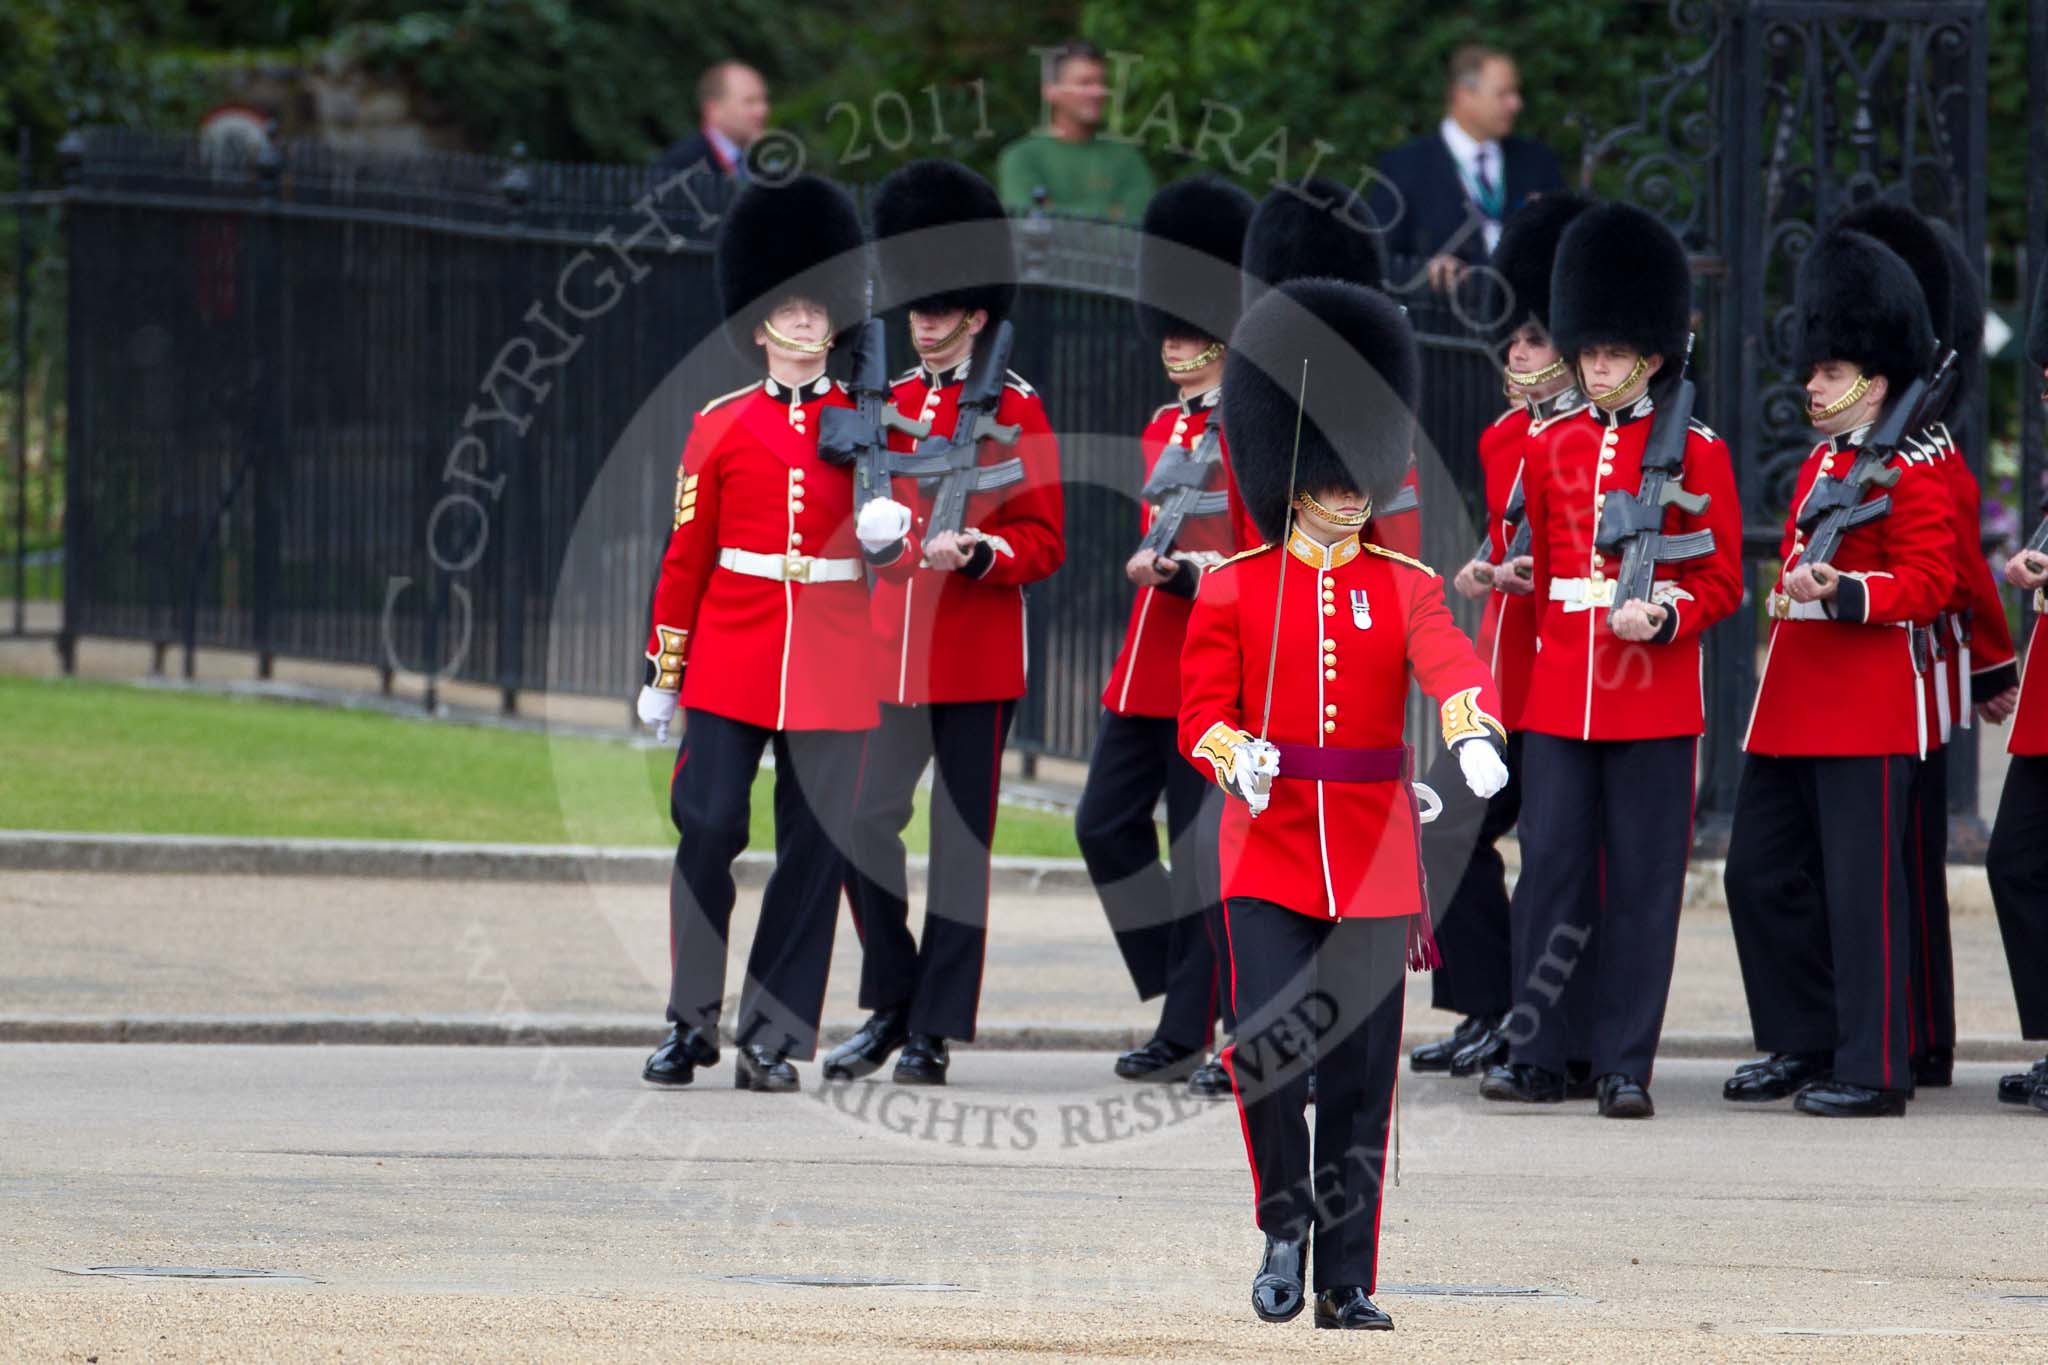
<point x="1443" y="196"/>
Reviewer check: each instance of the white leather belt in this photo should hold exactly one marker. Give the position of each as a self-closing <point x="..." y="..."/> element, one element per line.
<point x="1783" y="608"/>
<point x="791" y="568"/>
<point x="1584" y="594"/>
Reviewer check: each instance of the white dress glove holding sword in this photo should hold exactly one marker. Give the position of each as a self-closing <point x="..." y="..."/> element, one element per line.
<point x="1254" y="764"/>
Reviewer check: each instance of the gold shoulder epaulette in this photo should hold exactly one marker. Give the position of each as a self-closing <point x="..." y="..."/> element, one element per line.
<point x="725" y="398"/>
<point x="1385" y="553"/>
<point x="1242" y="554"/>
<point x="1019" y="383"/>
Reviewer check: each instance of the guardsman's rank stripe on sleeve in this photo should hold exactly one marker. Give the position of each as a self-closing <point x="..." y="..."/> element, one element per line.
<point x="686" y="500"/>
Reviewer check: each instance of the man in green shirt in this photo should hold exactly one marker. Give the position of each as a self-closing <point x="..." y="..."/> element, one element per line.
<point x="1082" y="176"/>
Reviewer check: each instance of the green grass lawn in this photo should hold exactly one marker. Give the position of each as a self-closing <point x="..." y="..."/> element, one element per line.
<point x="105" y="758"/>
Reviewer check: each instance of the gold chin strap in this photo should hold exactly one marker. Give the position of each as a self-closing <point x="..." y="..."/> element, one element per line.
<point x="1206" y="356"/>
<point x="792" y="344"/>
<point x="1613" y="395"/>
<point x="947" y="340"/>
<point x="1307" y="501"/>
<point x="1846" y="401"/>
<point x="1534" y="378"/>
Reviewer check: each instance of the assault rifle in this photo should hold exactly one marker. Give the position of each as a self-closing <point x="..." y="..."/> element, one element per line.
<point x="953" y="462"/>
<point x="1835" y="505"/>
<point x="859" y="435"/>
<point x="1176" y="489"/>
<point x="1515" y="513"/>
<point x="1633" y="523"/>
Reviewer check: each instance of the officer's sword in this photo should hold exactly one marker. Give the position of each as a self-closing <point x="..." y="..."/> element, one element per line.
<point x="1280" y="594"/>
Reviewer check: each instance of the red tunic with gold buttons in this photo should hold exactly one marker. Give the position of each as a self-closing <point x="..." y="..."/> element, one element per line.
<point x="1507" y="629"/>
<point x="2030" y="724"/>
<point x="1974" y="606"/>
<point x="1145" y="680"/>
<point x="1587" y="682"/>
<point x="959" y="636"/>
<point x="777" y="653"/>
<point x="1358" y="622"/>
<point x="1845" y="683"/>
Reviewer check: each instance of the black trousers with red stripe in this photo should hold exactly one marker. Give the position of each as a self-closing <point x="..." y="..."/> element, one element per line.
<point x="1817" y="880"/>
<point x="2017" y="865"/>
<point x="1326" y="994"/>
<point x="1933" y="986"/>
<point x="938" y="979"/>
<point x="1606" y="832"/>
<point x="1168" y="923"/>
<point x="1468" y="887"/>
<point x="710" y="801"/>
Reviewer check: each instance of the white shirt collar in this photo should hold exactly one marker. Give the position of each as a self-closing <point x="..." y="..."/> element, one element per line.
<point x="1465" y="149"/>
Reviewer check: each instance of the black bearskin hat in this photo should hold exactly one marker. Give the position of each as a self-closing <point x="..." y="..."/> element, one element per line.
<point x="1358" y="429"/>
<point x="1963" y="328"/>
<point x="1856" y="300"/>
<point x="799" y="239"/>
<point x="1913" y="240"/>
<point x="1528" y="248"/>
<point x="1179" y="297"/>
<point x="2037" y="320"/>
<point x="1621" y="279"/>
<point x="972" y="266"/>
<point x="1328" y="234"/>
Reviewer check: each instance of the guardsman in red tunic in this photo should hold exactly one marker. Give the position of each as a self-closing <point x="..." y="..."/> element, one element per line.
<point x="2017" y="861"/>
<point x="951" y="635"/>
<point x="1294" y="686"/>
<point x="760" y="617"/>
<point x="1468" y="888"/>
<point x="1614" y="710"/>
<point x="1320" y="229"/>
<point x="1169" y="926"/>
<point x="1975" y="673"/>
<point x="1821" y="850"/>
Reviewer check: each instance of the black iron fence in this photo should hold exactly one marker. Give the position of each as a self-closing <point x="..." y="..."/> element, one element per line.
<point x="363" y="413"/>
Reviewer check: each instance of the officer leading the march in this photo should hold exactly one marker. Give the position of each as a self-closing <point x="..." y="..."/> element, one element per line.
<point x="1293" y="697"/>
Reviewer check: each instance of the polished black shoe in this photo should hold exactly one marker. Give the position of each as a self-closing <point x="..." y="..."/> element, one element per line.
<point x="2039" y="1099"/>
<point x="1488" y="1050"/>
<point x="871" y="1046"/>
<point x="1935" y="1069"/>
<point x="2020" y="1086"/>
<point x="1775" y="1077"/>
<point x="1437" y="1056"/>
<point x="1351" y="1307"/>
<point x="764" y="1069"/>
<point x="1623" y="1097"/>
<point x="1158" y="1060"/>
<point x="1210" y="1081"/>
<point x="924" y="1061"/>
<point x="676" y="1061"/>
<point x="1522" y="1083"/>
<point x="1276" y="1288"/>
<point x="1841" y="1100"/>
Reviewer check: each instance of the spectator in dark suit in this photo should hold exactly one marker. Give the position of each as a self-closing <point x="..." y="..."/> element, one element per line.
<point x="1444" y="194"/>
<point x="732" y="108"/>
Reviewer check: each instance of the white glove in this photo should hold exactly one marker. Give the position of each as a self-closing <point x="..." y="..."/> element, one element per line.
<point x="1485" y="774"/>
<point x="881" y="523"/>
<point x="657" y="707"/>
<point x="1253" y="766"/>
